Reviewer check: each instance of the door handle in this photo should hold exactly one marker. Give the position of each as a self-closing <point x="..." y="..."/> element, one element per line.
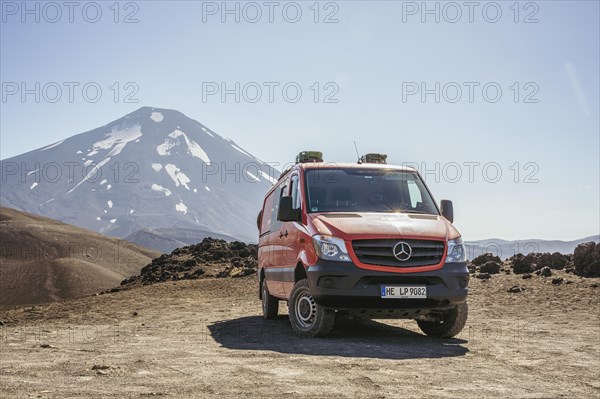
<point x="281" y="235"/>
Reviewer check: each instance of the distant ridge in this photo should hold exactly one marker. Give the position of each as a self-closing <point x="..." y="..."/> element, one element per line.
<point x="506" y="248"/>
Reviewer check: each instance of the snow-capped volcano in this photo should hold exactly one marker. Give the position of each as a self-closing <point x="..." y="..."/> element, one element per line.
<point x="152" y="169"/>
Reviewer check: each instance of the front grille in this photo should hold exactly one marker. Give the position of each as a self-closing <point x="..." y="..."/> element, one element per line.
<point x="341" y="215"/>
<point x="390" y="280"/>
<point x="381" y="252"/>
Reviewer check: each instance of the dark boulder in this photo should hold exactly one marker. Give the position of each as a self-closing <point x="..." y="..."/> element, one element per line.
<point x="490" y="267"/>
<point x="487" y="257"/>
<point x="545" y="271"/>
<point x="586" y="259"/>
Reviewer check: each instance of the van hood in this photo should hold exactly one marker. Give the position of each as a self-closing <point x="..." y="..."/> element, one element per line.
<point x="388" y="224"/>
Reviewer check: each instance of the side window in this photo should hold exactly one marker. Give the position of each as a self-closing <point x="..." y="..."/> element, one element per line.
<point x="266" y="215"/>
<point x="414" y="193"/>
<point x="295" y="192"/>
<point x="278" y="193"/>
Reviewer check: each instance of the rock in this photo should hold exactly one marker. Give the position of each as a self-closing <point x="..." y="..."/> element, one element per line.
<point x="545" y="272"/>
<point x="483" y="276"/>
<point x="586" y="259"/>
<point x="569" y="269"/>
<point x="559" y="261"/>
<point x="46" y="346"/>
<point x="472" y="268"/>
<point x="209" y="258"/>
<point x="557" y="280"/>
<point x="100" y="367"/>
<point x="487" y="257"/>
<point x="515" y="289"/>
<point x="521" y="264"/>
<point x="595" y="285"/>
<point x="135" y="313"/>
<point x="490" y="267"/>
<point x="1" y="323"/>
<point x="568" y="282"/>
<point x="526" y="276"/>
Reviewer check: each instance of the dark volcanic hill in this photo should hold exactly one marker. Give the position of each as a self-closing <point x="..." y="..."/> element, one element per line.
<point x="42" y="260"/>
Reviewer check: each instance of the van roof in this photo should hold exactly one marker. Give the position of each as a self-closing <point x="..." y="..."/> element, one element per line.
<point x="337" y="165"/>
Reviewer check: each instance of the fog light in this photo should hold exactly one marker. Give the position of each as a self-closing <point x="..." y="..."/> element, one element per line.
<point x="327" y="282"/>
<point x="463" y="282"/>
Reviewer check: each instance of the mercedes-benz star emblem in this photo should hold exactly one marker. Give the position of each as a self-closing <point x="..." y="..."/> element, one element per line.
<point x="402" y="251"/>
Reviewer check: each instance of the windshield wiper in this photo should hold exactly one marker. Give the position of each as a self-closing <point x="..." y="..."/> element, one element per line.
<point x="405" y="211"/>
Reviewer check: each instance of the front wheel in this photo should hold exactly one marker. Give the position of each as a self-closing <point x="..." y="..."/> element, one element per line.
<point x="270" y="304"/>
<point x="450" y="323"/>
<point x="308" y="318"/>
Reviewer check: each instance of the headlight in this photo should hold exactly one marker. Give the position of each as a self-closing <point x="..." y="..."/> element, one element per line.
<point x="456" y="251"/>
<point x="330" y="248"/>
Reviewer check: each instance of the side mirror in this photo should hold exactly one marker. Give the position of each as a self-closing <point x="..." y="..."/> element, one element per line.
<point x="286" y="213"/>
<point x="259" y="220"/>
<point x="447" y="210"/>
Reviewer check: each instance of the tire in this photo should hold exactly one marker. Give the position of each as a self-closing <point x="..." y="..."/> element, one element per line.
<point x="308" y="318"/>
<point x="270" y="304"/>
<point x="451" y="323"/>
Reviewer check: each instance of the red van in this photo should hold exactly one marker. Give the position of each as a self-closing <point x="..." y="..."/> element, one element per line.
<point x="361" y="240"/>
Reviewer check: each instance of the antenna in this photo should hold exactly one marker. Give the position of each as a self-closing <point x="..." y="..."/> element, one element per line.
<point x="357" y="153"/>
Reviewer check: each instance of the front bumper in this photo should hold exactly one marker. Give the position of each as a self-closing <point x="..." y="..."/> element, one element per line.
<point x="345" y="286"/>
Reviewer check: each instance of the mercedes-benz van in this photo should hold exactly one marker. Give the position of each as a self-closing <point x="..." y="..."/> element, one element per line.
<point x="360" y="240"/>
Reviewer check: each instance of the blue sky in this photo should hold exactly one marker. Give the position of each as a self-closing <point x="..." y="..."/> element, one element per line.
<point x="371" y="57"/>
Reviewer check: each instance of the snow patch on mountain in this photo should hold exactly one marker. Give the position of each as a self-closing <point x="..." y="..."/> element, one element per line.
<point x="157" y="117"/>
<point x="268" y="177"/>
<point x="177" y="175"/>
<point x="181" y="208"/>
<point x="158" y="187"/>
<point x="193" y="148"/>
<point x="157" y="167"/>
<point x="242" y="151"/>
<point x="117" y="139"/>
<point x="207" y="132"/>
<point x="91" y="174"/>
<point x="52" y="145"/>
<point x="252" y="176"/>
<point x="33" y="185"/>
<point x="110" y="203"/>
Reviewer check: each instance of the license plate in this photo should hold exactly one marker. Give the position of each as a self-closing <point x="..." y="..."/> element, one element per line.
<point x="389" y="291"/>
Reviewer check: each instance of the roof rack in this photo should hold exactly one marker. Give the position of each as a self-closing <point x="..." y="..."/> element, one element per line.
<point x="373" y="158"/>
<point x="309" y="156"/>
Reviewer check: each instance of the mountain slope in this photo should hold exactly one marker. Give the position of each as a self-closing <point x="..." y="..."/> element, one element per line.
<point x="152" y="169"/>
<point x="42" y="260"/>
<point x="505" y="249"/>
<point x="166" y="240"/>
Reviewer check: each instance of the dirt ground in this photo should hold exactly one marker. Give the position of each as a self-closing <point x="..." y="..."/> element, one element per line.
<point x="206" y="338"/>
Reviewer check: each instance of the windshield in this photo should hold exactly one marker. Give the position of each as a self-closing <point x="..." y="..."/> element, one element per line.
<point x="367" y="190"/>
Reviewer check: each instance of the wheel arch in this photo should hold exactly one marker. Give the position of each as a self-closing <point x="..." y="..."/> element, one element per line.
<point x="299" y="272"/>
